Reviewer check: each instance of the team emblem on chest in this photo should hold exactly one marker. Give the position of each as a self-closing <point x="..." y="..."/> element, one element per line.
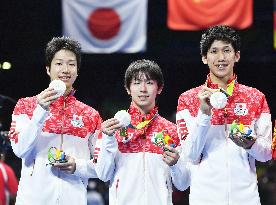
<point x="77" y="121"/>
<point x="240" y="109"/>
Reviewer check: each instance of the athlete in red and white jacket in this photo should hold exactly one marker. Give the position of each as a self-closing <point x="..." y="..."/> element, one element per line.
<point x="45" y="121"/>
<point x="8" y="184"/>
<point x="223" y="170"/>
<point x="139" y="171"/>
<point x="69" y="124"/>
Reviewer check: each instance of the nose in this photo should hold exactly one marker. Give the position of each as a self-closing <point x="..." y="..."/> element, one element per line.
<point x="143" y="87"/>
<point x="221" y="55"/>
<point x="65" y="68"/>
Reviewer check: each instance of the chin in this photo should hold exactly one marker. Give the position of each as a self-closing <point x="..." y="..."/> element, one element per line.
<point x="143" y="105"/>
<point x="222" y="74"/>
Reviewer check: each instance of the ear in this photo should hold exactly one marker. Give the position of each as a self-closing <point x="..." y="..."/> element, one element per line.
<point x="48" y="70"/>
<point x="128" y="91"/>
<point x="160" y="90"/>
<point x="237" y="56"/>
<point x="204" y="59"/>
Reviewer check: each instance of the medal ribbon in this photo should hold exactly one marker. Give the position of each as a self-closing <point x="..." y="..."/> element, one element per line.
<point x="143" y="124"/>
<point x="139" y="126"/>
<point x="230" y="88"/>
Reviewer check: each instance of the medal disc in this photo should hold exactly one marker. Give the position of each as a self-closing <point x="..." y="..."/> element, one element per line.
<point x="218" y="100"/>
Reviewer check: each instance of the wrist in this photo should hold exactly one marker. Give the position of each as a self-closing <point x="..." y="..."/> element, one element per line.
<point x="206" y="111"/>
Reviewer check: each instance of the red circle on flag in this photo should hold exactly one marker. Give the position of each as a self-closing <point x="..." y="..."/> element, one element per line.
<point x="104" y="23"/>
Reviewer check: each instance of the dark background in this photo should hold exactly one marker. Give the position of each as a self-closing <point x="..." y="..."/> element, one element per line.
<point x="27" y="25"/>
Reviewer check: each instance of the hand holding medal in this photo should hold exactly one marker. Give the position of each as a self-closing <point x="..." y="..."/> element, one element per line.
<point x="59" y="86"/>
<point x="161" y="141"/>
<point x="170" y="155"/>
<point x="55" y="90"/>
<point x="218" y="100"/>
<point x="241" y="135"/>
<point x="120" y="120"/>
<point x="56" y="155"/>
<point x="219" y="97"/>
<point x="59" y="160"/>
<point x="204" y="98"/>
<point x="123" y="117"/>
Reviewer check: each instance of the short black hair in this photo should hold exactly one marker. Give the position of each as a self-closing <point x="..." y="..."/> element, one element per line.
<point x="60" y="43"/>
<point x="222" y="33"/>
<point x="149" y="68"/>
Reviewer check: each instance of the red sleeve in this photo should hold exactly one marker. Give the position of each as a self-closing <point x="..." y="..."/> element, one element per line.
<point x="12" y="184"/>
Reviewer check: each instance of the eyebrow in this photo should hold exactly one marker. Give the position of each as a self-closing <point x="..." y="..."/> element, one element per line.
<point x="139" y="80"/>
<point x="224" y="47"/>
<point x="63" y="59"/>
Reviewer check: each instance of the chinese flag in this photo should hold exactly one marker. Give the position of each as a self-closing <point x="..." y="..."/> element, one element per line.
<point x="273" y="147"/>
<point x="201" y="14"/>
<point x="274" y="23"/>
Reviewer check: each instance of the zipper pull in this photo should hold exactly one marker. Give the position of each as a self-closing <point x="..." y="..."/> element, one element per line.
<point x="225" y="114"/>
<point x="32" y="169"/>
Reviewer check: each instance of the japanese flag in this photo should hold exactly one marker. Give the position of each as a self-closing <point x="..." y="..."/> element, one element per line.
<point x="106" y="26"/>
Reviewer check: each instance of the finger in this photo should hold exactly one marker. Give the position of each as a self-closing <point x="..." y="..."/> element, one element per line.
<point x="111" y="128"/>
<point x="165" y="159"/>
<point x="66" y="169"/>
<point x="61" y="164"/>
<point x="109" y="132"/>
<point x="168" y="160"/>
<point x="208" y="90"/>
<point x="236" y="140"/>
<point x="110" y="122"/>
<point x="168" y="156"/>
<point x="48" y="89"/>
<point x="239" y="141"/>
<point x="47" y="97"/>
<point x="205" y="88"/>
<point x="50" y="93"/>
<point x="206" y="94"/>
<point x="69" y="159"/>
<point x="46" y="92"/>
<point x="170" y="150"/>
<point x="50" y="99"/>
<point x="250" y="139"/>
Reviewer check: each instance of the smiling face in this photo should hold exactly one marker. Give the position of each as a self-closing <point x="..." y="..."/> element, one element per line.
<point x="64" y="67"/>
<point x="143" y="92"/>
<point x="220" y="59"/>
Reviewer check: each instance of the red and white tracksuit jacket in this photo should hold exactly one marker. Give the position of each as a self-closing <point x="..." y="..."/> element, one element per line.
<point x="8" y="183"/>
<point x="68" y="123"/>
<point x="134" y="165"/>
<point x="224" y="173"/>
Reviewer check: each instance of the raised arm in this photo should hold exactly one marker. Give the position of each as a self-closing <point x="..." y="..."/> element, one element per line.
<point x="192" y="127"/>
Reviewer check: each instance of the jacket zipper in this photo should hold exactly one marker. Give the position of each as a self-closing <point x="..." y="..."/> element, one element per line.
<point x="144" y="162"/>
<point x="144" y="167"/>
<point x="32" y="168"/>
<point x="226" y="154"/>
<point x="117" y="186"/>
<point x="62" y="125"/>
<point x="61" y="147"/>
